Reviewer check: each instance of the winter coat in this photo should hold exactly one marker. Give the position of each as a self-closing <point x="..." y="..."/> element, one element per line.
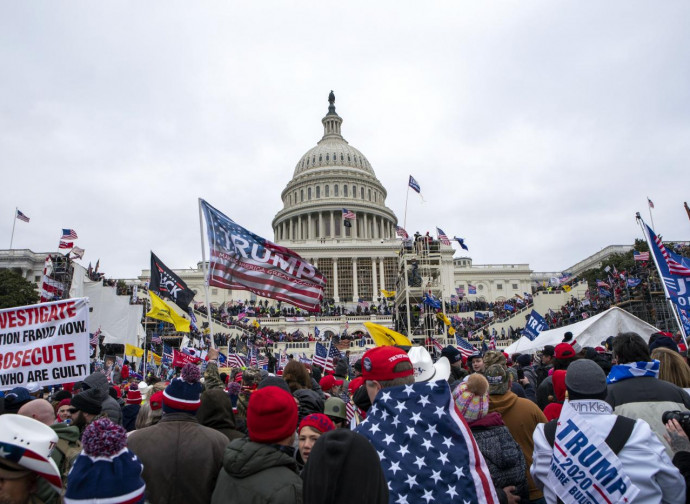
<point x="255" y="473"/>
<point x="309" y="402"/>
<point x="647" y="398"/>
<point x="521" y="416"/>
<point x="643" y="458"/>
<point x="129" y="416"/>
<point x="502" y="454"/>
<point x="110" y="406"/>
<point x="181" y="459"/>
<point x="216" y="412"/>
<point x="64" y="454"/>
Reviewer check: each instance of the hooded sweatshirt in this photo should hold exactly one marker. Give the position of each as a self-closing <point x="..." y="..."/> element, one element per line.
<point x="110" y="406"/>
<point x="521" y="416"/>
<point x="216" y="412"/>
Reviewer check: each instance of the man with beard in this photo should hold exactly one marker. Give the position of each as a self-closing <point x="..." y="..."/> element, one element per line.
<point x="86" y="407"/>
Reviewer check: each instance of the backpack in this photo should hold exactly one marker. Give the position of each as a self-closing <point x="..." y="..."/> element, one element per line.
<point x="618" y="436"/>
<point x="69" y="453"/>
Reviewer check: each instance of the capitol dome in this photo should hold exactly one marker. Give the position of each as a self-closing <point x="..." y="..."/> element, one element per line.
<point x="328" y="178"/>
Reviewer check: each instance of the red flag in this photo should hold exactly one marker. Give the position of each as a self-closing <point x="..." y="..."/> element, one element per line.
<point x="180" y="359"/>
<point x="66" y="245"/>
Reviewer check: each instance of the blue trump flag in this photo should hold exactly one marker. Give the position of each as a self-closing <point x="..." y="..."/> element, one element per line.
<point x="414" y="184"/>
<point x="427" y="451"/>
<point x="430" y="300"/>
<point x="535" y="325"/>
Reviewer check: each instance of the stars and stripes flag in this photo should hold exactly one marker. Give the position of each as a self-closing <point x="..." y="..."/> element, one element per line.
<point x="601" y="283"/>
<point x="443" y="237"/>
<point x="66" y="245"/>
<point x="418" y="432"/>
<point x="324" y="358"/>
<point x="22" y="217"/>
<point x="650" y="202"/>
<point x="241" y="260"/>
<point x="156" y="339"/>
<point x="437" y="345"/>
<point x="641" y="256"/>
<point x="348" y="214"/>
<point x="401" y="232"/>
<point x="677" y="264"/>
<point x="253" y="361"/>
<point x="236" y="360"/>
<point x="95" y="338"/>
<point x="492" y="342"/>
<point x="465" y="347"/>
<point x="68" y="234"/>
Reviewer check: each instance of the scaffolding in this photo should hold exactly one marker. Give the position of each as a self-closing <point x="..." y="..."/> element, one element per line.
<point x="419" y="273"/>
<point x="58" y="276"/>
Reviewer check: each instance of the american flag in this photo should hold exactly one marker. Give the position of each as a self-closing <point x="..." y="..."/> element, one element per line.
<point x="156" y="339"/>
<point x="436" y="343"/>
<point x="68" y="234"/>
<point x="401" y="232"/>
<point x="460" y="290"/>
<point x="418" y="431"/>
<point x="443" y="237"/>
<point x="252" y="357"/>
<point x="465" y="347"/>
<point x="95" y="338"/>
<point x="641" y="256"/>
<point x="324" y="358"/>
<point x="677" y="265"/>
<point x="492" y="342"/>
<point x="348" y="214"/>
<point x="650" y="202"/>
<point x="349" y="410"/>
<point x="241" y="260"/>
<point x="236" y="360"/>
<point x="601" y="283"/>
<point x="22" y="217"/>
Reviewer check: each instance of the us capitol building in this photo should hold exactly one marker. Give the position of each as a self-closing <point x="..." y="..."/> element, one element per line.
<point x="359" y="257"/>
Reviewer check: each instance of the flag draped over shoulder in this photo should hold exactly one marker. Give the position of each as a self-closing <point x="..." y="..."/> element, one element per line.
<point x="167" y="284"/>
<point x="161" y="311"/>
<point x="241" y="260"/>
<point x="426" y="448"/>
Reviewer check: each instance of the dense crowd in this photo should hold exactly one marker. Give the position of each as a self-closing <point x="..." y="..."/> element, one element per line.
<point x="392" y="426"/>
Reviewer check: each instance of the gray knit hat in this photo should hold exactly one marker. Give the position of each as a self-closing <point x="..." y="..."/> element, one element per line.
<point x="585" y="377"/>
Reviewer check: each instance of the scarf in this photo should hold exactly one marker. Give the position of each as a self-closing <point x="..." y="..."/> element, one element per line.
<point x="621" y="372"/>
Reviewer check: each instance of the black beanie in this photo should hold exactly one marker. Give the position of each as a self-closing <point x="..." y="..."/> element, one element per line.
<point x="89" y="401"/>
<point x="352" y="457"/>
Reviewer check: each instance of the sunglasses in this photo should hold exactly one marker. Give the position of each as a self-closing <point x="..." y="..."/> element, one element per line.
<point x="72" y="411"/>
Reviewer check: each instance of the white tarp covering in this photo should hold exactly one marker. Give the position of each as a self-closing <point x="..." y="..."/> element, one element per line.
<point x="589" y="332"/>
<point x="119" y="321"/>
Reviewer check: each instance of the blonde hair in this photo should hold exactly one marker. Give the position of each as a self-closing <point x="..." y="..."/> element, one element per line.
<point x="673" y="367"/>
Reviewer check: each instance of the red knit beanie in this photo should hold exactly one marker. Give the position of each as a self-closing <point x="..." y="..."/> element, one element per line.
<point x="134" y="395"/>
<point x="318" y="422"/>
<point x="271" y="415"/>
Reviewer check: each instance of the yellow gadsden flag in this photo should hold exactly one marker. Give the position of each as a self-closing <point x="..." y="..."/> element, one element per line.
<point x="161" y="311"/>
<point x="566" y="288"/>
<point x="387" y="294"/>
<point x="383" y="336"/>
<point x="442" y="316"/>
<point x="133" y="351"/>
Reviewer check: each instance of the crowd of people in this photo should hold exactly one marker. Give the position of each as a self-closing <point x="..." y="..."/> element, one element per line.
<point x="393" y="426"/>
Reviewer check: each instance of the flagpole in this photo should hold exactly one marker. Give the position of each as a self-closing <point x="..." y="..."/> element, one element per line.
<point x="406" y="198"/>
<point x="203" y="263"/>
<point x="666" y="293"/>
<point x="649" y="207"/>
<point x="14" y="223"/>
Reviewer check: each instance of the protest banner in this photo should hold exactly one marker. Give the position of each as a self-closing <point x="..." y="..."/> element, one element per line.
<point x="180" y="359"/>
<point x="46" y="343"/>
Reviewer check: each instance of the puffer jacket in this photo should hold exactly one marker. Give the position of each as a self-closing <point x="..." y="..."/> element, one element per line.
<point x="309" y="402"/>
<point x="502" y="454"/>
<point x="181" y="459"/>
<point x="110" y="406"/>
<point x="257" y="473"/>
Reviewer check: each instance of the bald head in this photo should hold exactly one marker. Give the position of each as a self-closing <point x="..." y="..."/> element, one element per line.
<point x="39" y="409"/>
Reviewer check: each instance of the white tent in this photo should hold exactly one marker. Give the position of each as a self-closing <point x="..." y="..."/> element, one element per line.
<point x="589" y="332"/>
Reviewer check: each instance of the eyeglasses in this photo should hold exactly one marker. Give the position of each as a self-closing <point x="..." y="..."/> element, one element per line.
<point x="72" y="411"/>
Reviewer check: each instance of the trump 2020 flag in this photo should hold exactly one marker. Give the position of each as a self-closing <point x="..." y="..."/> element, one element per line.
<point x="241" y="260"/>
<point x="165" y="283"/>
<point x="426" y="448"/>
<point x="535" y="325"/>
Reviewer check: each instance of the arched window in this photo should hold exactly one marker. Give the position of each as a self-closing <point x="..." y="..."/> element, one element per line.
<point x="361" y="192"/>
<point x="318" y="192"/>
<point x="309" y="193"/>
<point x="345" y="191"/>
<point x="328" y="192"/>
<point x="335" y="190"/>
<point x="301" y="195"/>
<point x="369" y="194"/>
<point x="354" y="191"/>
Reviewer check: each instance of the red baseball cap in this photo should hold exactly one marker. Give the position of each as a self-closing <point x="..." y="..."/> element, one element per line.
<point x="355" y="384"/>
<point x="564" y="351"/>
<point x="328" y="382"/>
<point x="379" y="363"/>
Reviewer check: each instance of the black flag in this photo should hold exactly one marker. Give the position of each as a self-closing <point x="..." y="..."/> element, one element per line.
<point x="167" y="284"/>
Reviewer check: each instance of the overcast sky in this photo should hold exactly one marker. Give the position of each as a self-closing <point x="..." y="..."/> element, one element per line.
<point x="536" y="129"/>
